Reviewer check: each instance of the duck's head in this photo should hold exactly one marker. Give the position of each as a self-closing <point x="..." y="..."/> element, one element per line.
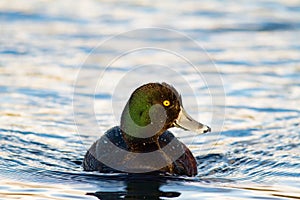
<point x="152" y="109"/>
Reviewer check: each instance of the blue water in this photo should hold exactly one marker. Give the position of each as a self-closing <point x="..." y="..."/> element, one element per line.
<point x="252" y="46"/>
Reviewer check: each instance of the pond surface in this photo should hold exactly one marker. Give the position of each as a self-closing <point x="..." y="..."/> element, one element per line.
<point x="254" y="153"/>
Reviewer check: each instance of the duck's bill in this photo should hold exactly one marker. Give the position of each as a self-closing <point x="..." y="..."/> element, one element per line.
<point x="186" y="122"/>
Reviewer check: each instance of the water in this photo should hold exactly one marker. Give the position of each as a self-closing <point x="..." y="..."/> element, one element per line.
<point x="254" y="45"/>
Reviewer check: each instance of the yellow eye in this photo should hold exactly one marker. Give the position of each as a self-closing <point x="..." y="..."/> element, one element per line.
<point x="166" y="103"/>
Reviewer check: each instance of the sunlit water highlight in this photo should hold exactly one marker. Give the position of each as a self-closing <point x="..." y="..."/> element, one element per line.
<point x="254" y="45"/>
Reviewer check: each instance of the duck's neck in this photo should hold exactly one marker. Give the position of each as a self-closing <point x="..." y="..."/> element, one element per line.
<point x="136" y="132"/>
<point x="141" y="145"/>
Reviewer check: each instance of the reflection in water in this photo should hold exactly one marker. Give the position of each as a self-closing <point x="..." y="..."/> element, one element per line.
<point x="137" y="189"/>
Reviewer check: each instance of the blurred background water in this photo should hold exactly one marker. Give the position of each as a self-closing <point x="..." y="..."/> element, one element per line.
<point x="254" y="44"/>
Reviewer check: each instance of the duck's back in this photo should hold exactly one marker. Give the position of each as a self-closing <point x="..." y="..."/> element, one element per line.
<point x="104" y="149"/>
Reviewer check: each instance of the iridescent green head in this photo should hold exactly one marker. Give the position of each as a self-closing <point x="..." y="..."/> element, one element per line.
<point x="152" y="109"/>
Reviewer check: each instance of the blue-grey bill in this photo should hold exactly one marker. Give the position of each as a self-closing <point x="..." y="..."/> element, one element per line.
<point x="186" y="122"/>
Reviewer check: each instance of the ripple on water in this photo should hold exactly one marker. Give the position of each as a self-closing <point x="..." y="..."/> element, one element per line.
<point x="255" y="45"/>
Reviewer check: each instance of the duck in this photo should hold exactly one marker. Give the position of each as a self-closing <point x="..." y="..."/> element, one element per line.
<point x="142" y="142"/>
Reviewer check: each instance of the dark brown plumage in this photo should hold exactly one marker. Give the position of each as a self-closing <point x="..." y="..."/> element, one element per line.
<point x="141" y="134"/>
